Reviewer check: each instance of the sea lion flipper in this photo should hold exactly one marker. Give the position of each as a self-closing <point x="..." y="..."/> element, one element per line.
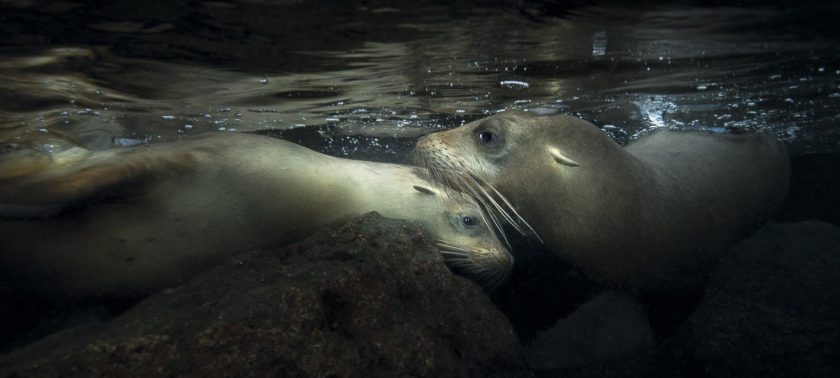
<point x="49" y="190"/>
<point x="560" y="158"/>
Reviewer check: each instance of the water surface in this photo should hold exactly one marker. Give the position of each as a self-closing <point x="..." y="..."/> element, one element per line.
<point x="361" y="81"/>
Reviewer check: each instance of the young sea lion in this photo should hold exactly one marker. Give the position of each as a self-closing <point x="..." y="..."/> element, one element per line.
<point x="149" y="217"/>
<point x="643" y="216"/>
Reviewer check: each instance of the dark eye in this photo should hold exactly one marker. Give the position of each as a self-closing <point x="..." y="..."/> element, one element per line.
<point x="469" y="221"/>
<point x="488" y="138"/>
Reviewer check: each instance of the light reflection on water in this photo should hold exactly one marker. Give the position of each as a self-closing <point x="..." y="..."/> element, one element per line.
<point x="376" y="77"/>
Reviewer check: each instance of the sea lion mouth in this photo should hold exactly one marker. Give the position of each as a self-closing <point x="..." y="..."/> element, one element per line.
<point x="485" y="267"/>
<point x="452" y="172"/>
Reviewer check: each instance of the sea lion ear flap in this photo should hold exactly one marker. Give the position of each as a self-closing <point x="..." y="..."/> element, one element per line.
<point x="560" y="158"/>
<point x="424" y="190"/>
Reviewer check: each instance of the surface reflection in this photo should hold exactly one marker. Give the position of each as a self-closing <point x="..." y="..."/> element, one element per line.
<point x="160" y="73"/>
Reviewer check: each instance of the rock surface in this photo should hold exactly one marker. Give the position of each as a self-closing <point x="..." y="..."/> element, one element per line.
<point x="773" y="308"/>
<point x="610" y="325"/>
<point x="814" y="188"/>
<point x="371" y="298"/>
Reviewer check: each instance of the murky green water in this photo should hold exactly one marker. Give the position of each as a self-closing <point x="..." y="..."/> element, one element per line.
<point x="364" y="81"/>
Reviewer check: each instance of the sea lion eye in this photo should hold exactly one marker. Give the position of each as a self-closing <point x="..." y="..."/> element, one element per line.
<point x="488" y="138"/>
<point x="469" y="221"/>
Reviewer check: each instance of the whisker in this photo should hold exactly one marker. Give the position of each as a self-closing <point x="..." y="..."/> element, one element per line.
<point x="495" y="221"/>
<point x="488" y="196"/>
<point x="461" y="185"/>
<point x="447" y="255"/>
<point x="451" y="247"/>
<point x="463" y="262"/>
<point x="496" y="205"/>
<point x="513" y="209"/>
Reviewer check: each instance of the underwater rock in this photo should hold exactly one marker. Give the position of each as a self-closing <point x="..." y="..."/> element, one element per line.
<point x="370" y="298"/>
<point x="814" y="188"/>
<point x="610" y="325"/>
<point x="773" y="307"/>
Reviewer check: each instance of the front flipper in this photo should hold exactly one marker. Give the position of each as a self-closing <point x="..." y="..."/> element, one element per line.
<point x="42" y="186"/>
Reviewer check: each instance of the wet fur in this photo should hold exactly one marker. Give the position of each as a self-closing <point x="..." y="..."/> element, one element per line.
<point x="150" y="217"/>
<point x="651" y="216"/>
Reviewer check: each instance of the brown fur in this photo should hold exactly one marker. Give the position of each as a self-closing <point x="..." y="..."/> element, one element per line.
<point x="645" y="216"/>
<point x="150" y="217"/>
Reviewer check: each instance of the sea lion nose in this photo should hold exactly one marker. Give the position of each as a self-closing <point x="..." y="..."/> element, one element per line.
<point x="424" y="148"/>
<point x="425" y="141"/>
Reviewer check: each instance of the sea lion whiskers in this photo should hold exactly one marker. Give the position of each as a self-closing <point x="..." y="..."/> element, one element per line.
<point x="456" y="177"/>
<point x="497" y="226"/>
<point x="481" y="184"/>
<point x="456" y="183"/>
<point x="454" y="188"/>
<point x="466" y="262"/>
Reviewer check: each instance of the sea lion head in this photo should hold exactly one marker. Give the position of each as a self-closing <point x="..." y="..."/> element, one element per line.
<point x="466" y="237"/>
<point x="480" y="155"/>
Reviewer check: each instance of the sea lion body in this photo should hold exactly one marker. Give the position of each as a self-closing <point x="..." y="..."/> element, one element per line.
<point x="150" y="217"/>
<point x="646" y="216"/>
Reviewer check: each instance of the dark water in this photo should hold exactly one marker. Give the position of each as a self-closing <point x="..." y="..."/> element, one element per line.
<point x="363" y="80"/>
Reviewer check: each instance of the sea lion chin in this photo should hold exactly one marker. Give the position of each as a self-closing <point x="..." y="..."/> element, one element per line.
<point x="645" y="216"/>
<point x="149" y="217"/>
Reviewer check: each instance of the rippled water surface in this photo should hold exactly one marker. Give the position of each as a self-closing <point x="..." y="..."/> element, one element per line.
<point x="363" y="81"/>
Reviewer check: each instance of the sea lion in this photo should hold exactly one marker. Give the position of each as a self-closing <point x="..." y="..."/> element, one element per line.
<point x="644" y="216"/>
<point x="149" y="217"/>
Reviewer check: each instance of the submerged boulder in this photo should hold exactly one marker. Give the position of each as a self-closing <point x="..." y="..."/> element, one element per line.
<point x="773" y="307"/>
<point x="610" y="325"/>
<point x="370" y="298"/>
<point x="814" y="185"/>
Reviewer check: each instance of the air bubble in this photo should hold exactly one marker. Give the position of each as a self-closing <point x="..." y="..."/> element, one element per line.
<point x="513" y="84"/>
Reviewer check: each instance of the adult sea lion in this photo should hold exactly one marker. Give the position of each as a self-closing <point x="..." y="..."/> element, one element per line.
<point x="149" y="217"/>
<point x="643" y="216"/>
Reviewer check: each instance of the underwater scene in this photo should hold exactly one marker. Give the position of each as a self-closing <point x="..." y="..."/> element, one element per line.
<point x="419" y="188"/>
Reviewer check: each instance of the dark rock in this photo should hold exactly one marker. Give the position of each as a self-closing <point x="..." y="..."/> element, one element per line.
<point x="814" y="185"/>
<point x="665" y="360"/>
<point x="773" y="307"/>
<point x="371" y="298"/>
<point x="771" y="310"/>
<point x="541" y="289"/>
<point x="610" y="325"/>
